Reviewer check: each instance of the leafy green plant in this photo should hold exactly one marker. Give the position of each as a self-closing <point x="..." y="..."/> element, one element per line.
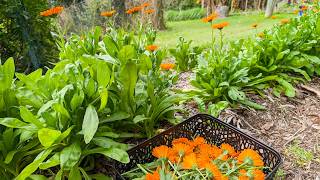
<point x="58" y="121"/>
<point x="185" y="55"/>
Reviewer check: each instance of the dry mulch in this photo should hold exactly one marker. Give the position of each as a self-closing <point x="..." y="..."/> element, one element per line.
<point x="286" y="123"/>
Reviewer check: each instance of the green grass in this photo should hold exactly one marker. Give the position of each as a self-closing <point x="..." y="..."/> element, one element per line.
<point x="200" y="33"/>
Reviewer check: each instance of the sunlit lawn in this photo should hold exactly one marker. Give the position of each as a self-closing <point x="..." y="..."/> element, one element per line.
<point x="200" y="33"/>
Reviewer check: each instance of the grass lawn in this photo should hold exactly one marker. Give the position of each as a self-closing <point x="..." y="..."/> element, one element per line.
<point x="200" y="33"/>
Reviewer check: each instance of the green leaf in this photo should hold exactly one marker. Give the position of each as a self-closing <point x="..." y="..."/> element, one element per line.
<point x="60" y="109"/>
<point x="289" y="89"/>
<point x="32" y="167"/>
<point x="65" y="134"/>
<point x="90" y="124"/>
<point x="117" y="116"/>
<point x="75" y="174"/>
<point x="108" y="143"/>
<point x="12" y="123"/>
<point x="70" y="156"/>
<point x="114" y="153"/>
<point x="59" y="175"/>
<point x="53" y="161"/>
<point x="7" y="71"/>
<point x="37" y="177"/>
<point x="85" y="175"/>
<point x="77" y="100"/>
<point x="126" y="53"/>
<point x="27" y="116"/>
<point x="103" y="74"/>
<point x="48" y="136"/>
<point x="215" y="109"/>
<point x="252" y="104"/>
<point x="9" y="156"/>
<point x="103" y="98"/>
<point x="139" y="118"/>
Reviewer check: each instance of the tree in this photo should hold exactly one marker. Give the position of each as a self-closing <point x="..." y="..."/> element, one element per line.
<point x="158" y="18"/>
<point x="120" y="17"/>
<point x="271" y="4"/>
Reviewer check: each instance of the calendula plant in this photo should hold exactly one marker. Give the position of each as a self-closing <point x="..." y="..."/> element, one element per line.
<point x="184" y="55"/>
<point x="56" y="120"/>
<point x="197" y="159"/>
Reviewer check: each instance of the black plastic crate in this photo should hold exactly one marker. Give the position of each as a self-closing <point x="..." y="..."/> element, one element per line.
<point x="214" y="131"/>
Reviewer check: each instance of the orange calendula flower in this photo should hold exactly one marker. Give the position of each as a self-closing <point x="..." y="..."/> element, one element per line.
<point x="203" y="160"/>
<point x="149" y="11"/>
<point x="214" y="170"/>
<point x="304" y="8"/>
<point x="161" y="151"/>
<point x="52" y="11"/>
<point x="189" y="161"/>
<point x="250" y="157"/>
<point x="152" y="48"/>
<point x="145" y="4"/>
<point x="181" y="140"/>
<point x="154" y="176"/>
<point x="210" y="18"/>
<point x="198" y="141"/>
<point x="182" y="149"/>
<point x="220" y="26"/>
<point x="243" y="175"/>
<point x="258" y="174"/>
<point x="230" y="150"/>
<point x="108" y="13"/>
<point x="261" y="35"/>
<point x="167" y="66"/>
<point x="254" y="25"/>
<point x="285" y="21"/>
<point x="134" y="10"/>
<point x="273" y="17"/>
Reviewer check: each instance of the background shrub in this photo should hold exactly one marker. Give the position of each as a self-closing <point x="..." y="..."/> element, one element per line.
<point x="25" y="35"/>
<point x="194" y="13"/>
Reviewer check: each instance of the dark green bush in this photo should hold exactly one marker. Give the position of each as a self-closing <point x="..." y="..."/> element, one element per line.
<point x="25" y="35"/>
<point x="195" y="13"/>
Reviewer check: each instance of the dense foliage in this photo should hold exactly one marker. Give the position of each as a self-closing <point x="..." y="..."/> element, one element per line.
<point x="189" y="14"/>
<point x="278" y="59"/>
<point x="98" y="95"/>
<point x="25" y="35"/>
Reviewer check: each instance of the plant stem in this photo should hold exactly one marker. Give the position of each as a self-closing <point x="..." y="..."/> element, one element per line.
<point x="221" y="38"/>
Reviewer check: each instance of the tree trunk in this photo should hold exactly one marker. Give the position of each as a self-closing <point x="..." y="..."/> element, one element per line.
<point x="120" y="16"/>
<point x="270" y="7"/>
<point x="158" y="18"/>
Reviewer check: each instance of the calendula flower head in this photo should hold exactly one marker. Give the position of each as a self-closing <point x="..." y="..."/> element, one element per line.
<point x="229" y="149"/>
<point x="153" y="176"/>
<point x="134" y="10"/>
<point x="198" y="141"/>
<point x="189" y="161"/>
<point x="285" y="21"/>
<point x="214" y="170"/>
<point x="254" y="25"/>
<point x="149" y="11"/>
<point x="182" y="149"/>
<point x="250" y="157"/>
<point x="161" y="151"/>
<point x="210" y="18"/>
<point x="167" y="66"/>
<point x="220" y="26"/>
<point x="181" y="140"/>
<point x="147" y="4"/>
<point x="273" y="17"/>
<point x="152" y="48"/>
<point x="261" y="35"/>
<point x="108" y="13"/>
<point x="296" y="11"/>
<point x="52" y="11"/>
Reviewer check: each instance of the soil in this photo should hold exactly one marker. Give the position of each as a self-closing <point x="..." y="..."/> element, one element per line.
<point x="290" y="125"/>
